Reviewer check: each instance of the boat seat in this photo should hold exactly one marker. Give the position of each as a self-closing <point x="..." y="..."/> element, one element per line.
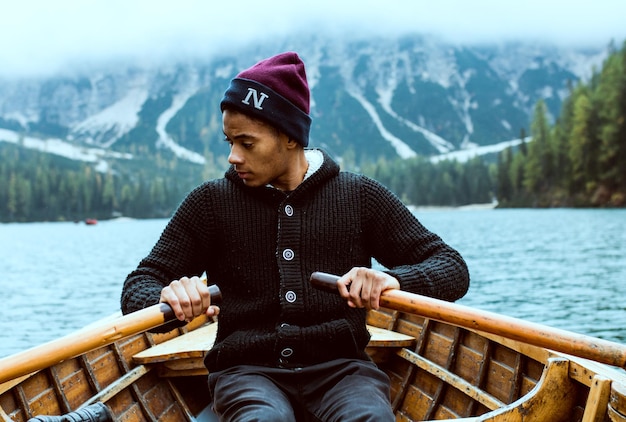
<point x="184" y="355"/>
<point x="387" y="338"/>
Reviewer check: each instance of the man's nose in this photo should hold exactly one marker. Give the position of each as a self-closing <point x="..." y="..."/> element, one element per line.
<point x="235" y="156"/>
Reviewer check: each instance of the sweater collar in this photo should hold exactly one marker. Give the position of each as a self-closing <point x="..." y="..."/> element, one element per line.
<point x="321" y="168"/>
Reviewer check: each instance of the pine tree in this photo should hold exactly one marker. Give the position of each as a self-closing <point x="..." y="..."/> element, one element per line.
<point x="12" y="197"/>
<point x="561" y="136"/>
<point x="109" y="200"/>
<point x="523" y="147"/>
<point x="611" y="100"/>
<point x="538" y="170"/>
<point x="504" y="183"/>
<point x="581" y="146"/>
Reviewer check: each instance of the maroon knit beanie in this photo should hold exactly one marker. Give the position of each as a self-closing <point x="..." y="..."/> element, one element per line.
<point x="276" y="91"/>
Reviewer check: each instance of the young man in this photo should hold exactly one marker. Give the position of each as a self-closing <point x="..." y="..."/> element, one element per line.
<point x="285" y="350"/>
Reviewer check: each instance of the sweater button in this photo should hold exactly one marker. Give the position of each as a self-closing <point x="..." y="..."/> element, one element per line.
<point x="288" y="210"/>
<point x="288" y="254"/>
<point x="291" y="296"/>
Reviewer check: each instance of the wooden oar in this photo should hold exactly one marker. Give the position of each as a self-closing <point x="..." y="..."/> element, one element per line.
<point x="90" y="338"/>
<point x="580" y="345"/>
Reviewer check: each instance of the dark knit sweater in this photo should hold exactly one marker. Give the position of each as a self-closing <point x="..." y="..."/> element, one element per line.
<point x="260" y="246"/>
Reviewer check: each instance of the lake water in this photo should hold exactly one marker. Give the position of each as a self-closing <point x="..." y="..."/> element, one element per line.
<point x="565" y="268"/>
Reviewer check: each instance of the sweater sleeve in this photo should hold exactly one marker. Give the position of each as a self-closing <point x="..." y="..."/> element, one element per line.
<point x="176" y="254"/>
<point x="421" y="261"/>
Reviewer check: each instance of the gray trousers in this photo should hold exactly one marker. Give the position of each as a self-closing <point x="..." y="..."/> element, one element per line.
<point x="340" y="390"/>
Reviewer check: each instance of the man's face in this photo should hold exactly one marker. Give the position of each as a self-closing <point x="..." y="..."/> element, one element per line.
<point x="258" y="151"/>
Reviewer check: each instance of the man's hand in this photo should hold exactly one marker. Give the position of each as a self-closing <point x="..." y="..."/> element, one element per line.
<point x="362" y="287"/>
<point x="189" y="298"/>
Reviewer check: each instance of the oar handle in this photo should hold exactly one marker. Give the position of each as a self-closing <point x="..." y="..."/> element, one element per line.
<point x="324" y="281"/>
<point x="90" y="338"/>
<point x="556" y="339"/>
<point x="216" y="294"/>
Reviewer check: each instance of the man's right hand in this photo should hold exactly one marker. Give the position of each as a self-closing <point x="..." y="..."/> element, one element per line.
<point x="189" y="298"/>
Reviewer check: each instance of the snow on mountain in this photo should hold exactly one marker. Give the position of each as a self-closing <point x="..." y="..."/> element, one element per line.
<point x="401" y="148"/>
<point x="59" y="147"/>
<point x="178" y="103"/>
<point x="443" y="146"/>
<point x="111" y="123"/>
<point x="467" y="154"/>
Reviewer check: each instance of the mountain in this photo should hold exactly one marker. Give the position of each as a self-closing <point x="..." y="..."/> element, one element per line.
<point x="371" y="98"/>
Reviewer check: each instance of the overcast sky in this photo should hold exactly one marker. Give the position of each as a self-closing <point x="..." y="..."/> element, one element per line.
<point x="42" y="36"/>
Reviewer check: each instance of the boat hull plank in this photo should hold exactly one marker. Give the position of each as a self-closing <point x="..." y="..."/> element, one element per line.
<point x="552" y="399"/>
<point x="598" y="399"/>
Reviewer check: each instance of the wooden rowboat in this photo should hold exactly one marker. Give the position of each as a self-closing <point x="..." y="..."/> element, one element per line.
<point x="469" y="370"/>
